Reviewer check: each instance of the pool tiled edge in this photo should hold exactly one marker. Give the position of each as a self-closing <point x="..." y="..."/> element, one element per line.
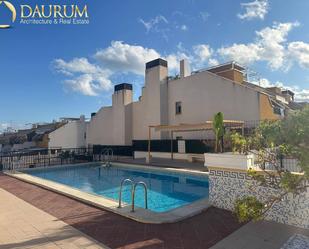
<point x="140" y="215"/>
<point x="178" y="171"/>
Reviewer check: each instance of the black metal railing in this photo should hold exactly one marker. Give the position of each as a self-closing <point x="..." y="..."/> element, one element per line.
<point x="45" y="157"/>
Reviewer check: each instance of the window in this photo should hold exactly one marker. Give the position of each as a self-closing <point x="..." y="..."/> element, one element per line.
<point x="277" y="110"/>
<point x="178" y="108"/>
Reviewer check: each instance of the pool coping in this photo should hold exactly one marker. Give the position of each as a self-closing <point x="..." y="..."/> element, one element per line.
<point x="141" y="215"/>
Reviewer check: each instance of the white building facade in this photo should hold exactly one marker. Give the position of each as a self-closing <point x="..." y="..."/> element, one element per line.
<point x="71" y="135"/>
<point x="191" y="98"/>
<point x="188" y="99"/>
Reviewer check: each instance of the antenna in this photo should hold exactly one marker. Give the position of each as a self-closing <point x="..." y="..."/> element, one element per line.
<point x="252" y="76"/>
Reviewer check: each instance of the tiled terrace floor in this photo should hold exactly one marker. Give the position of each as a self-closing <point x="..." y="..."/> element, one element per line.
<point x="201" y="231"/>
<point x="260" y="235"/>
<point x="24" y="226"/>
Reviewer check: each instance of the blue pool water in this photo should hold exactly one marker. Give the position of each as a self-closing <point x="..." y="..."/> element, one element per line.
<point x="165" y="191"/>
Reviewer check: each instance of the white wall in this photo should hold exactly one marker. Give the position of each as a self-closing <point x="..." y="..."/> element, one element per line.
<point x="112" y="125"/>
<point x="151" y="109"/>
<point x="99" y="127"/>
<point x="70" y="135"/>
<point x="204" y="94"/>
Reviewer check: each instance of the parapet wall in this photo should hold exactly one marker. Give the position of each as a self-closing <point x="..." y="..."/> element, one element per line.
<point x="228" y="185"/>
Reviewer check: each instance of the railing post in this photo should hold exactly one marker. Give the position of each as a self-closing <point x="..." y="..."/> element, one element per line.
<point x="133" y="195"/>
<point x="120" y="190"/>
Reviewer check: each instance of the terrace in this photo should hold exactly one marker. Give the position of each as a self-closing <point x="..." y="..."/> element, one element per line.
<point x="67" y="192"/>
<point x="58" y="221"/>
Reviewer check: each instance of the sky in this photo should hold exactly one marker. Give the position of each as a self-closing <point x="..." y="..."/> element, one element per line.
<point x="53" y="71"/>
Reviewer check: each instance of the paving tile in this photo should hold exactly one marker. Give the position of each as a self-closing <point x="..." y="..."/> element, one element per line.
<point x="39" y="231"/>
<point x="259" y="235"/>
<point x="201" y="231"/>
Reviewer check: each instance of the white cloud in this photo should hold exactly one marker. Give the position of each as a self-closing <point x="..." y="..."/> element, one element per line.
<point x="299" y="52"/>
<point x="301" y="95"/>
<point x="242" y="53"/>
<point x="270" y="46"/>
<point x="153" y="23"/>
<point x="254" y="10"/>
<point x="76" y="65"/>
<point x="272" y="43"/>
<point x="266" y="83"/>
<point x="173" y="60"/>
<point x="84" y="77"/>
<point x="92" y="78"/>
<point x="213" y="62"/>
<point x="203" y="55"/>
<point x="158" y="24"/>
<point x="122" y="57"/>
<point x="202" y="51"/>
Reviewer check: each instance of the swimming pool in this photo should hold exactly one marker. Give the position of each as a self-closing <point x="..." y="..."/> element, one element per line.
<point x="166" y="191"/>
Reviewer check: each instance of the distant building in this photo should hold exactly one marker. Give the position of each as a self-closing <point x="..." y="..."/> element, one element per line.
<point x="71" y="135"/>
<point x="26" y="139"/>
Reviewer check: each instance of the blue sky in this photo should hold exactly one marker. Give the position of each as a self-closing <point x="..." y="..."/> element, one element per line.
<point x="51" y="71"/>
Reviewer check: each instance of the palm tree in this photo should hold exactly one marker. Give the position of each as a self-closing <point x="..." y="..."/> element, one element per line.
<point x="218" y="127"/>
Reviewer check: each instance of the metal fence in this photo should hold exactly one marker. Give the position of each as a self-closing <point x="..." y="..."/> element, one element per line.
<point x="46" y="157"/>
<point x="285" y="164"/>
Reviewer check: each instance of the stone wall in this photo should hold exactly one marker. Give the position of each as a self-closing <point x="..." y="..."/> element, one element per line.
<point x="226" y="186"/>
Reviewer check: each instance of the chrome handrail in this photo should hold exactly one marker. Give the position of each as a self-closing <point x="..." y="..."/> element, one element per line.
<point x="120" y="190"/>
<point x="133" y="195"/>
<point x="109" y="153"/>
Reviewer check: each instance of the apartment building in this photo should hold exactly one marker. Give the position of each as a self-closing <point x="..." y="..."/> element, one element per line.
<point x="187" y="99"/>
<point x="190" y="98"/>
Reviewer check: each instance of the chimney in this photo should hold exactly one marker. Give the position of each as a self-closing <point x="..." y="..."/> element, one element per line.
<point x="156" y="72"/>
<point x="185" y="69"/>
<point x="123" y="94"/>
<point x="156" y="63"/>
<point x="156" y="86"/>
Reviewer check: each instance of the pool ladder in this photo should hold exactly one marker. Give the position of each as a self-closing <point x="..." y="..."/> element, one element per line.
<point x="108" y="156"/>
<point x="133" y="189"/>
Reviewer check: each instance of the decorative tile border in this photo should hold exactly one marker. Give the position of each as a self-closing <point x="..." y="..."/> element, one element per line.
<point x="230" y="174"/>
<point x="226" y="186"/>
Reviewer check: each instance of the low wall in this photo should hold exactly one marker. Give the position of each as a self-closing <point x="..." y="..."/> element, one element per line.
<point x="119" y="150"/>
<point x="228" y="185"/>
<point x="166" y="155"/>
